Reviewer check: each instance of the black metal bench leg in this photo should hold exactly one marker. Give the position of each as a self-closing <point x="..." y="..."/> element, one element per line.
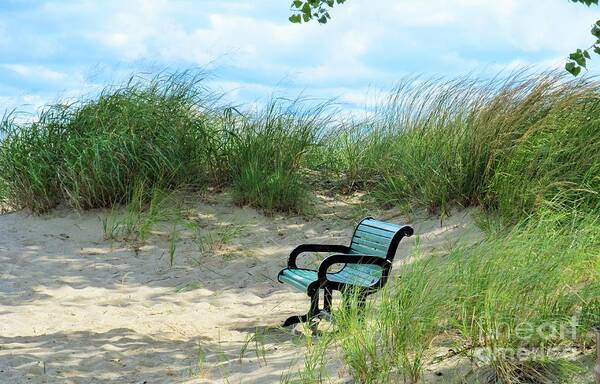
<point x="312" y="312"/>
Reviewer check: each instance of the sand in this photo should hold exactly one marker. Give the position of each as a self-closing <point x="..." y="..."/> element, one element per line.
<point x="76" y="308"/>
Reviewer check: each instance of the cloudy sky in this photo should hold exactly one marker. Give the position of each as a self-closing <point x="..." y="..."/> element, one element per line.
<point x="57" y="49"/>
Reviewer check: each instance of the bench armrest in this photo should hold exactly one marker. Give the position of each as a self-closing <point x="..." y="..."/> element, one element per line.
<point x="385" y="264"/>
<point x="314" y="248"/>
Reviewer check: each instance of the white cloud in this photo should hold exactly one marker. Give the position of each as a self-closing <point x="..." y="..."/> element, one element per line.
<point x="367" y="43"/>
<point x="23" y="107"/>
<point x="37" y="72"/>
<point x="233" y="33"/>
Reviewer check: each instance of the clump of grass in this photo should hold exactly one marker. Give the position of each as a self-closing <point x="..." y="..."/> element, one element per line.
<point x="353" y="155"/>
<point x="146" y="210"/>
<point x="28" y="159"/>
<point x="258" y="340"/>
<point x="166" y="132"/>
<point x="268" y="154"/>
<point x="93" y="153"/>
<point x="216" y="240"/>
<point x="525" y="291"/>
<point x="536" y="370"/>
<point x="469" y="141"/>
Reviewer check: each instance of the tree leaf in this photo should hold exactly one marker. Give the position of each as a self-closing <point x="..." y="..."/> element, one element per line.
<point x="295" y="19"/>
<point x="572" y="68"/>
<point x="578" y="57"/>
<point x="586" y="2"/>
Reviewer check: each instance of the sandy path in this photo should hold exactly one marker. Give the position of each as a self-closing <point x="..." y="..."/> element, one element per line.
<point x="75" y="308"/>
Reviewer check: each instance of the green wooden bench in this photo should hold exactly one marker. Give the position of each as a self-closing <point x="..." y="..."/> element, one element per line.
<point x="364" y="265"/>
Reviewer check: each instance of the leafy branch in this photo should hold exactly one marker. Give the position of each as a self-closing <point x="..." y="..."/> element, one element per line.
<point x="578" y="59"/>
<point x="304" y="11"/>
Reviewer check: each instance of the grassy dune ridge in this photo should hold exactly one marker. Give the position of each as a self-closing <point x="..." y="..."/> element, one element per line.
<point x="166" y="132"/>
<point x="524" y="147"/>
<point x="513" y="143"/>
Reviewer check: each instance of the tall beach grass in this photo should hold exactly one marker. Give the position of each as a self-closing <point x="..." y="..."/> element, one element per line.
<point x="517" y="307"/>
<point x="514" y="143"/>
<point x="524" y="147"/>
<point x="166" y="132"/>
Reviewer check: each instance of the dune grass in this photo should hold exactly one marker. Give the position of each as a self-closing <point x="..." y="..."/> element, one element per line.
<point x="527" y="150"/>
<point x="513" y="306"/>
<point x="524" y="147"/>
<point x="165" y="132"/>
<point x="513" y="143"/>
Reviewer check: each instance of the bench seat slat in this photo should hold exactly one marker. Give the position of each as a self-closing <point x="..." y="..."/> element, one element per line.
<point x="300" y="282"/>
<point x="364" y="275"/>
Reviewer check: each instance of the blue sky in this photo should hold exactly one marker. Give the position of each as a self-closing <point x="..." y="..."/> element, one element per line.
<point x="61" y="49"/>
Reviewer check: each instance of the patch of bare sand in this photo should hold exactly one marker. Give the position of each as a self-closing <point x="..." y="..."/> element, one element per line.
<point x="75" y="308"/>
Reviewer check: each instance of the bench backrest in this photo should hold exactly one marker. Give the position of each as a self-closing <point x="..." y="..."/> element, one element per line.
<point x="375" y="238"/>
<point x="378" y="238"/>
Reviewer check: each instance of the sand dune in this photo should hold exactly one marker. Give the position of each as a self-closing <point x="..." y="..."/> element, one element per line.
<point x="76" y="308"/>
